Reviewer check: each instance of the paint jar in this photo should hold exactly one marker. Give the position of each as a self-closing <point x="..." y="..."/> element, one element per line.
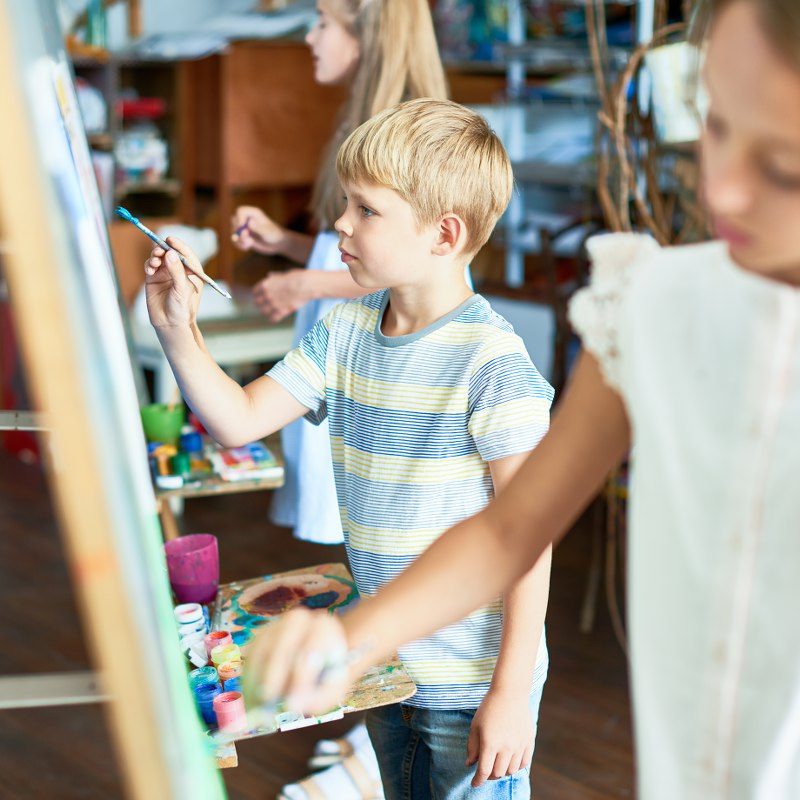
<point x="180" y="464"/>
<point x="193" y="566"/>
<point x="188" y="613"/>
<point x="215" y="639"/>
<point x="204" y="697"/>
<point x="230" y="713"/>
<point x="196" y="639"/>
<point x="192" y="443"/>
<point x="196" y="628"/>
<point x="202" y="676"/>
<point x="224" y="653"/>
<point x="230" y="673"/>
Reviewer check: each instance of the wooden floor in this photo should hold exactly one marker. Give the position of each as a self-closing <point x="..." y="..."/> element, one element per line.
<point x="583" y="750"/>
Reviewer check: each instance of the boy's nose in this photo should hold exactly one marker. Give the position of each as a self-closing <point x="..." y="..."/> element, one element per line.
<point x="343" y="226"/>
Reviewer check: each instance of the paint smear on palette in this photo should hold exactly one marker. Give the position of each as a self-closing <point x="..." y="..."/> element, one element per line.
<point x="243" y="607"/>
<point x="382" y="685"/>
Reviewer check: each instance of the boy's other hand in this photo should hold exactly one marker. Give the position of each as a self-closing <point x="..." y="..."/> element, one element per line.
<point x="501" y="737"/>
<point x="172" y="291"/>
<point x="287" y="658"/>
<point x="282" y="293"/>
<point x="256" y="231"/>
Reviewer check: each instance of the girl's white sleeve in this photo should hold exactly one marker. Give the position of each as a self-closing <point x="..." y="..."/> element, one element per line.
<point x="595" y="311"/>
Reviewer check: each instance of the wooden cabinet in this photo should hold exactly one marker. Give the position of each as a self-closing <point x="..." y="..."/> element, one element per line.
<point x="253" y="120"/>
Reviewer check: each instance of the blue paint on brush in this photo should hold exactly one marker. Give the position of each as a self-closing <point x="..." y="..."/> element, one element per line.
<point x="128" y="217"/>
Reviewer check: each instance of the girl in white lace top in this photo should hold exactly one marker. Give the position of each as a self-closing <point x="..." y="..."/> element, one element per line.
<point x="692" y="361"/>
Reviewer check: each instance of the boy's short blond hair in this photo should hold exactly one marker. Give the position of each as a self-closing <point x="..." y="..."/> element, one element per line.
<point x="440" y="157"/>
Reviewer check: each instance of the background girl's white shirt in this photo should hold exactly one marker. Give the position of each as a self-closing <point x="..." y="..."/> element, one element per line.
<point x="707" y="359"/>
<point x="307" y="501"/>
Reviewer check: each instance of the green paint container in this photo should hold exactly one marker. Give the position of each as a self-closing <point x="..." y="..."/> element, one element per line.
<point x="162" y="424"/>
<point x="181" y="465"/>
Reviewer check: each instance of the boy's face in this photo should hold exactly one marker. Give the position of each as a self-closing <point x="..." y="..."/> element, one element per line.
<point x="380" y="240"/>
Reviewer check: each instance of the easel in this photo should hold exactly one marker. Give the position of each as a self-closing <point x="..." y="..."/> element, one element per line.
<point x="68" y="324"/>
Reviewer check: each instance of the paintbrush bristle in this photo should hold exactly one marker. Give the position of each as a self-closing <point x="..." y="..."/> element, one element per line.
<point x="124" y="213"/>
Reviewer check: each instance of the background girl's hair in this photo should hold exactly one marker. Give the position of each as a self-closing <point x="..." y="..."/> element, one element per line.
<point x="780" y="19"/>
<point x="398" y="60"/>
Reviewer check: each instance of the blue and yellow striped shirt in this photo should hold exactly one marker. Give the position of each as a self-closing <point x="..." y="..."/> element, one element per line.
<point x="413" y="422"/>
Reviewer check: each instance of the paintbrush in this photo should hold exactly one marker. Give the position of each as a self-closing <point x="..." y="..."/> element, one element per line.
<point x="241" y="229"/>
<point x="265" y="715"/>
<point x="126" y="215"/>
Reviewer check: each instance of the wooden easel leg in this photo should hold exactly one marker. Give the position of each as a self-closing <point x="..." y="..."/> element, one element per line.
<point x="169" y="525"/>
<point x="592" y="589"/>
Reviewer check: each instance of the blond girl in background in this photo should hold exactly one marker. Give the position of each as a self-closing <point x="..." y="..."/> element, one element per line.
<point x="385" y="52"/>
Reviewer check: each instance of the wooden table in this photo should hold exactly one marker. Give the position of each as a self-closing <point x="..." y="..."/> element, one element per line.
<point x="212" y="486"/>
<point x="243" y="339"/>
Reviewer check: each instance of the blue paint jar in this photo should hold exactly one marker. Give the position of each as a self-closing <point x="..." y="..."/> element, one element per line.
<point x="233" y="685"/>
<point x="202" y="676"/>
<point x="192" y="443"/>
<point x="204" y="696"/>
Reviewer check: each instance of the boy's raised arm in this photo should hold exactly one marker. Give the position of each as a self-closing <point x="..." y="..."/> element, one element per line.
<point x="466" y="567"/>
<point x="232" y="414"/>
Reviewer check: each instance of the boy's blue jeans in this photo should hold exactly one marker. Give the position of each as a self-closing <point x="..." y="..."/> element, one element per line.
<point x="422" y="753"/>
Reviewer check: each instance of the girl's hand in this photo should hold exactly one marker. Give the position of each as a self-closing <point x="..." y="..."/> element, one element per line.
<point x="172" y="291"/>
<point x="282" y="293"/>
<point x="501" y="737"/>
<point x="258" y="232"/>
<point x="287" y="658"/>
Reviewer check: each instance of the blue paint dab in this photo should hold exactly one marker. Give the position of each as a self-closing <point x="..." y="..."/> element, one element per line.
<point x="322" y="600"/>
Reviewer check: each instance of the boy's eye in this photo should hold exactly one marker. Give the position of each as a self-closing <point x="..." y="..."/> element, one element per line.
<point x="366" y="212"/>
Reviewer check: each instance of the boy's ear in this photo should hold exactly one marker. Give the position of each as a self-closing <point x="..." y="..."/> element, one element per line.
<point x="451" y="236"/>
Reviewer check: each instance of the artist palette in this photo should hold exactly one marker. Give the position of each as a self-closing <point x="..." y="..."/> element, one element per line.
<point x="243" y="607"/>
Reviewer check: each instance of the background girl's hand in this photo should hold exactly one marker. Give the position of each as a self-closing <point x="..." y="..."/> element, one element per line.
<point x="282" y="293"/>
<point x="287" y="657"/>
<point x="501" y="737"/>
<point x="172" y="291"/>
<point x="261" y="234"/>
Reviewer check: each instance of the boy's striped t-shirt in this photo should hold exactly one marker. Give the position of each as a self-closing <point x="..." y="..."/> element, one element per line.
<point x="414" y="421"/>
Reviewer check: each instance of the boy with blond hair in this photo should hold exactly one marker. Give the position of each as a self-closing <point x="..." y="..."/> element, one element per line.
<point x="432" y="403"/>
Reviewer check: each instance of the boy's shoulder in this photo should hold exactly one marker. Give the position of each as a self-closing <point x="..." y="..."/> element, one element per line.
<point x="478" y="327"/>
<point x="490" y="331"/>
<point x="362" y="311"/>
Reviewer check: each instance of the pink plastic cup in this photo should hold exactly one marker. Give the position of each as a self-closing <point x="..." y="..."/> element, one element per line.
<point x="193" y="566"/>
<point x="229" y="708"/>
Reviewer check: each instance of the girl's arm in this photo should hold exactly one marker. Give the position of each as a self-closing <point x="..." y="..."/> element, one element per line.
<point x="466" y="567"/>
<point x="254" y="230"/>
<point x="484" y="555"/>
<point x="282" y="293"/>
<point x="297" y="246"/>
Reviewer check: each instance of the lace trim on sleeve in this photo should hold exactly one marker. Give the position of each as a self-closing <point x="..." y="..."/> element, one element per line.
<point x="594" y="311"/>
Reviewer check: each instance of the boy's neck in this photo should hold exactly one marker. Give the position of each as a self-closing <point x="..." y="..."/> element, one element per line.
<point x="415" y="306"/>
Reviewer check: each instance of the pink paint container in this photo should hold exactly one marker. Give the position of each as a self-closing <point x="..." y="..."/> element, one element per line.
<point x="215" y="639"/>
<point x="229" y="708"/>
<point x="193" y="566"/>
